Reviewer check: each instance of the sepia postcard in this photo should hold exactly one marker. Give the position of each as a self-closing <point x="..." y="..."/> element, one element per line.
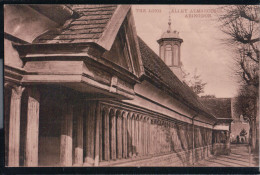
<point x="131" y="85"/>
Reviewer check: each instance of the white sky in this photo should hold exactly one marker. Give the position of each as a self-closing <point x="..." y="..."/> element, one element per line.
<point x="202" y="47"/>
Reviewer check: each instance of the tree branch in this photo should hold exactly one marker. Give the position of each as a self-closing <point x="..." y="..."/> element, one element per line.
<point x="246" y="16"/>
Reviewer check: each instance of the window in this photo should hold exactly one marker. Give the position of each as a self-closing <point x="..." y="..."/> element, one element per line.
<point x="162" y="52"/>
<point x="176" y="55"/>
<point x="168" y="55"/>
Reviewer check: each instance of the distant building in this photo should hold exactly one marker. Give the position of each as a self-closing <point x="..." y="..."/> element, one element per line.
<point x="82" y="89"/>
<point x="237" y="125"/>
<point x="220" y="108"/>
<point x="224" y="110"/>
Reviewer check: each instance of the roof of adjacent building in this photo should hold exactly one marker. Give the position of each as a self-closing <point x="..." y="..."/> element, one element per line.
<point x="89" y="25"/>
<point x="154" y="64"/>
<point x="219" y="107"/>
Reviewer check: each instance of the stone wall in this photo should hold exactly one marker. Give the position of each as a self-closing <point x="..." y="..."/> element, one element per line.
<point x="179" y="159"/>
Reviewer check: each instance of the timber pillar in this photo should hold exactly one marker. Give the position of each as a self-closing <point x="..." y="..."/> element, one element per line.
<point x="228" y="150"/>
<point x="124" y="133"/>
<point x="106" y="137"/>
<point x="32" y="128"/>
<point x="14" y="126"/>
<point x="78" y="150"/>
<point x="66" y="135"/>
<point x="113" y="134"/>
<point x="90" y="134"/>
<point x="129" y="136"/>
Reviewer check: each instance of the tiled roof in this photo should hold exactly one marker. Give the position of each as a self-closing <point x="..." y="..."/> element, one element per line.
<point x="220" y="107"/>
<point x="88" y="26"/>
<point x="91" y="24"/>
<point x="154" y="64"/>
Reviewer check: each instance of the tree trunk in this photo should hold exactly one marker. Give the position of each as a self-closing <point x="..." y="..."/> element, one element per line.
<point x="257" y="123"/>
<point x="252" y="135"/>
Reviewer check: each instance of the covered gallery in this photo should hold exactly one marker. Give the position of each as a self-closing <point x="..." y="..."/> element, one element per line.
<point x="82" y="89"/>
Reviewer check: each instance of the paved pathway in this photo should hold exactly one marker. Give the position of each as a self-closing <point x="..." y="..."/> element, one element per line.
<point x="239" y="157"/>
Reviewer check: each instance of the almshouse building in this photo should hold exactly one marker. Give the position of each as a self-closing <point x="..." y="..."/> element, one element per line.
<point x="82" y="89"/>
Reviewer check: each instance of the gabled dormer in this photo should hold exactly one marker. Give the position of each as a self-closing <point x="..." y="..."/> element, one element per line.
<point x="96" y="49"/>
<point x="125" y="51"/>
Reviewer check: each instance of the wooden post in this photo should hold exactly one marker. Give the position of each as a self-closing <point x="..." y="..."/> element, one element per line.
<point x="14" y="126"/>
<point x="90" y="128"/>
<point x="133" y="137"/>
<point x="66" y="135"/>
<point x="119" y="135"/>
<point x="136" y="136"/>
<point x="113" y="134"/>
<point x="139" y="136"/>
<point x="157" y="144"/>
<point x="98" y="122"/>
<point x="7" y="98"/>
<point x="145" y="136"/>
<point x="32" y="128"/>
<point x="129" y="136"/>
<point x="228" y="142"/>
<point x="101" y="131"/>
<point x="106" y="135"/>
<point x="124" y="131"/>
<point x="149" y="136"/>
<point x="152" y="148"/>
<point x="79" y="135"/>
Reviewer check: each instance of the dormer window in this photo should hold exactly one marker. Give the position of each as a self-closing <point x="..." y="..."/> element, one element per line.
<point x="168" y="55"/>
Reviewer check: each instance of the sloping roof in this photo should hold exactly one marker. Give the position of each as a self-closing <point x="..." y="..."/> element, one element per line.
<point x="153" y="64"/>
<point x="220" y="107"/>
<point x="90" y="25"/>
<point x="95" y="23"/>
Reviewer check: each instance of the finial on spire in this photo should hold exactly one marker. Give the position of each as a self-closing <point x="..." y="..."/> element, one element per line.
<point x="169" y="23"/>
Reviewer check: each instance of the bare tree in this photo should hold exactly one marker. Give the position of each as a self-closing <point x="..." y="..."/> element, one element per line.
<point x="194" y="81"/>
<point x="246" y="105"/>
<point x="240" y="23"/>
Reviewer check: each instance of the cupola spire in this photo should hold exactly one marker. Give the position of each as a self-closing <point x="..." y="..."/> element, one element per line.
<point x="169" y="23"/>
<point x="170" y="48"/>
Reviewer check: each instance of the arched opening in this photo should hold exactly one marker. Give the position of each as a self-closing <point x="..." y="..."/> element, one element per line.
<point x="118" y="134"/>
<point x="103" y="126"/>
<point x="112" y="134"/>
<point x="129" y="135"/>
<point x="49" y="128"/>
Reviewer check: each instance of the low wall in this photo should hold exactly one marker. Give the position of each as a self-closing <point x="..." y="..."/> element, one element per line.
<point x="177" y="159"/>
<point x="49" y="151"/>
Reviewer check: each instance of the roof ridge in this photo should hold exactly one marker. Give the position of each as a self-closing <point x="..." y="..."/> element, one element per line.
<point x="166" y="66"/>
